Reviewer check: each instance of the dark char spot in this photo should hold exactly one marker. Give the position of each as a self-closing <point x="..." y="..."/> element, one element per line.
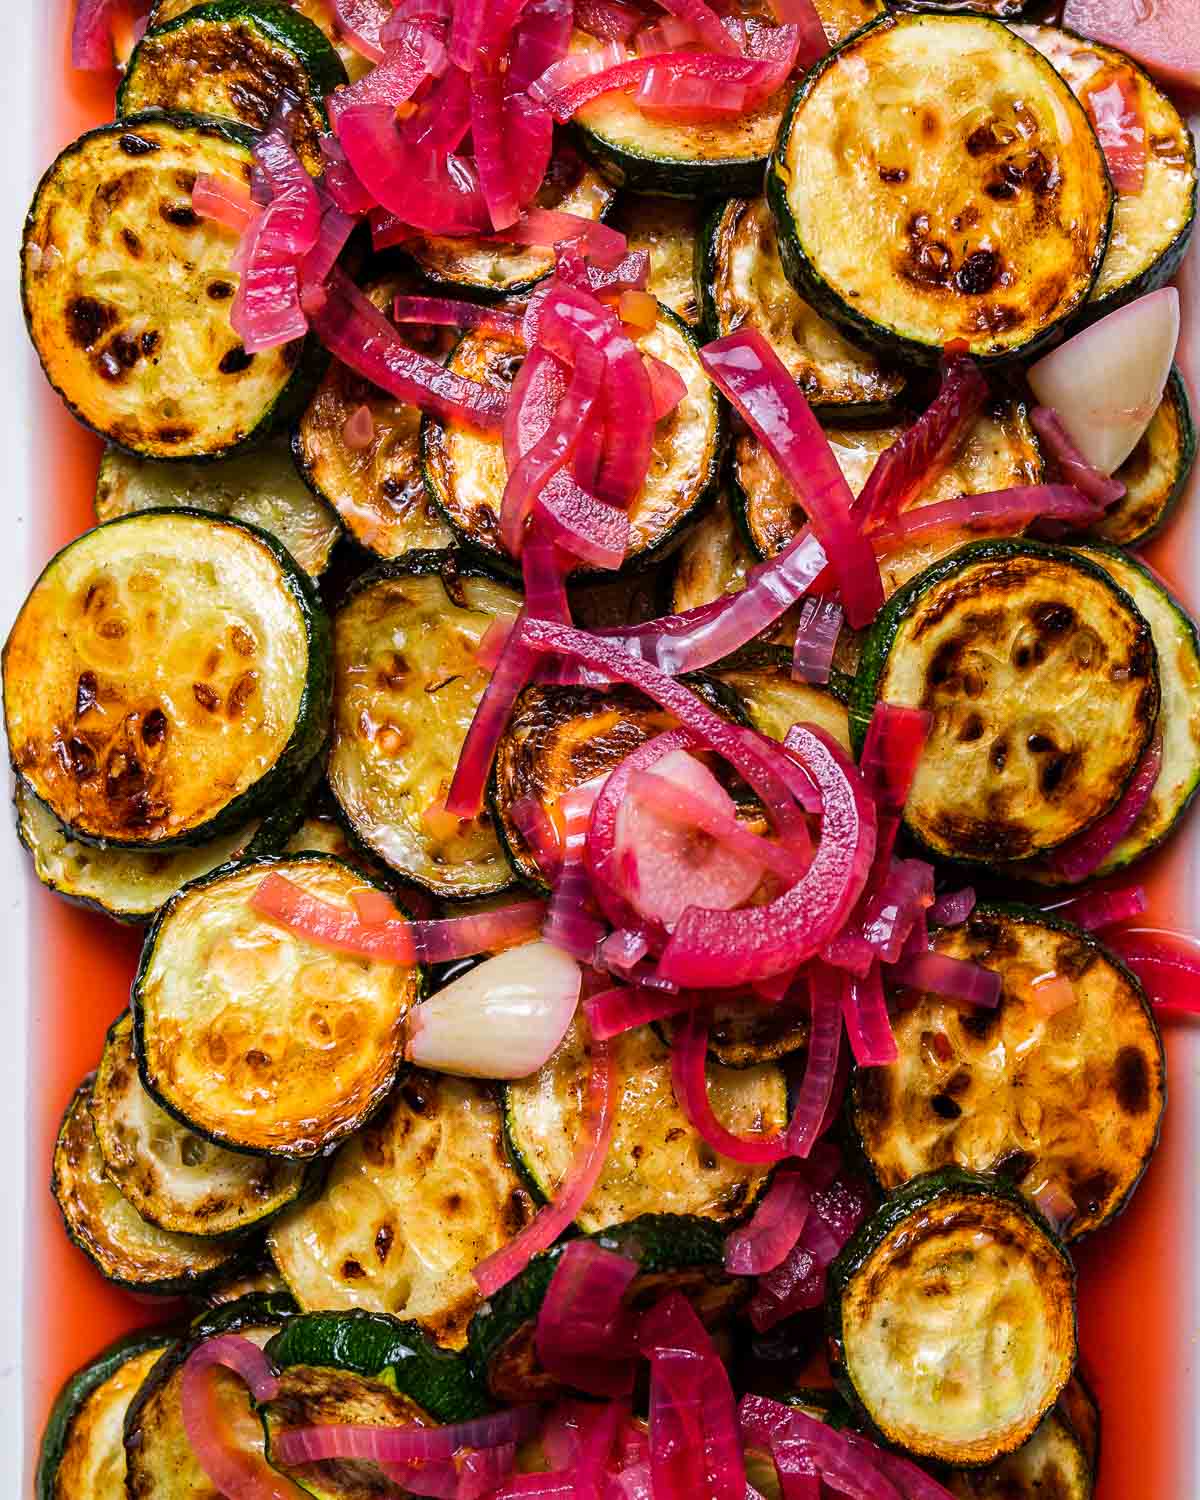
<point x="235" y="361"/>
<point x="1132" y="1078"/>
<point x="88" y="321"/>
<point x="137" y="145"/>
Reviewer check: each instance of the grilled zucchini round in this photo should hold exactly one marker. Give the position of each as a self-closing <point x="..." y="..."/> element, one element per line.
<point x="667" y="230"/>
<point x="411" y="1205"/>
<point x="936" y="181"/>
<point x="774" y="700"/>
<point x="260" y="487"/>
<point x="1156" y="473"/>
<point x="166" y="679"/>
<point x="257" y="1038"/>
<point x="238" y="61"/>
<point x="741" y="282"/>
<point x="319" y="12"/>
<point x="999" y="451"/>
<point x="656" y="1163"/>
<point x="406" y="687"/>
<point x="483" y="267"/>
<point x="1151" y="228"/>
<point x="465" y="470"/>
<point x="713" y="560"/>
<point x="378" y="491"/>
<point x="1073" y="1098"/>
<point x="160" y="1463"/>
<point x="1042" y="679"/>
<point x="172" y="1177"/>
<point x="1052" y="1463"/>
<point x="674" y="1253"/>
<point x="951" y="1319"/>
<point x="81" y="1455"/>
<point x="123" y="1247"/>
<point x="127" y="291"/>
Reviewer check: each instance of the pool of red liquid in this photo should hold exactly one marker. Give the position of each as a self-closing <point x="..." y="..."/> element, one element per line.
<point x="1134" y="1278"/>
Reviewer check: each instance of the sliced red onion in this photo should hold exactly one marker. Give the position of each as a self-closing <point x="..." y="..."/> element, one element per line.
<point x="1167" y="963"/>
<point x="266" y="311"/>
<point x="104" y="32"/>
<point x="801" y="1445"/>
<point x="449" y="312"/>
<point x="620" y="1009"/>
<point x="1096" y="910"/>
<point x="549" y="227"/>
<point x="584" y="1334"/>
<point x="358" y="430"/>
<point x="817" y="633"/>
<point x="753" y="377"/>
<point x="872" y="1039"/>
<point x="955" y="978"/>
<point x="629" y="274"/>
<point x="1075" y="468"/>
<point x="1052" y="992"/>
<point x="671" y="34"/>
<point x="557" y="1485"/>
<point x="609" y="20"/>
<point x="1055" y="1205"/>
<point x="360" y="22"/>
<point x="402" y="1445"/>
<point x="540" y="40"/>
<point x="757" y="76"/>
<point x="821" y="1065"/>
<point x="689" y="1076"/>
<point x="705" y="22"/>
<point x="890" y="914"/>
<point x="764" y="1243"/>
<point x="952" y="908"/>
<point x="1115" y="108"/>
<point x="488" y="137"/>
<point x="1086" y="852"/>
<point x="892" y="752"/>
<point x="667" y="387"/>
<point x="410" y="62"/>
<point x="357" y="333"/>
<point x="623" y="950"/>
<point x="1002" y="511"/>
<point x="502" y="1019"/>
<point x="583" y="526"/>
<point x="590" y="1151"/>
<point x="396" y="940"/>
<point x="803" y="15"/>
<point x="218" y="196"/>
<point x="509" y="677"/>
<point x="340" y="180"/>
<point x="234" y="1471"/>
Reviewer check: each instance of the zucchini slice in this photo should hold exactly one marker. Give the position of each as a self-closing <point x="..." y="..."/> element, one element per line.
<point x="951" y="1319"/>
<point x="713" y="560"/>
<point x="260" y="487"/>
<point x="465" y="470"/>
<point x="558" y="738"/>
<point x="1155" y="474"/>
<point x="627" y="599"/>
<point x="1052" y="1463"/>
<point x="256" y="1038"/>
<point x="166" y="679"/>
<point x="238" y="60"/>
<point x="674" y="1253"/>
<point x="409" y="1208"/>
<point x="406" y="686"/>
<point x="1042" y="679"/>
<point x="936" y="180"/>
<point x="259" y="1280"/>
<point x="484" y="268"/>
<point x="123" y="1247"/>
<point x="656" y="1162"/>
<point x="172" y="1177"/>
<point x="667" y="230"/>
<point x="319" y="12"/>
<point x="774" y="700"/>
<point x="160" y="1463"/>
<point x="744" y="1033"/>
<point x="999" y="451"/>
<point x="742" y="282"/>
<point x="127" y="291"/>
<point x="81" y="1455"/>
<point x="1151" y="228"/>
<point x="378" y="492"/>
<point x="1074" y="1098"/>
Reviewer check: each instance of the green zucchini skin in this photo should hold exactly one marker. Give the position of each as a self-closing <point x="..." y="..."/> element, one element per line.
<point x="909" y="1203"/>
<point x="806" y="276"/>
<point x="235" y="60"/>
<point x="381" y="1347"/>
<point x="664" y="177"/>
<point x="75" y="1394"/>
<point x="1151" y="497"/>
<point x="672" y="1251"/>
<point x="310" y="723"/>
<point x="882" y="637"/>
<point x="296" y="368"/>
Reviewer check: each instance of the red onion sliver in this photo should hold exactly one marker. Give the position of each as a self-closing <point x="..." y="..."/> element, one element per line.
<point x="705" y="22"/>
<point x="817" y="634"/>
<point x="584" y="1336"/>
<point x="234" y="1471"/>
<point x="1083" y="855"/>
<point x="218" y="196"/>
<point x="358" y="430"/>
<point x="764" y="1243"/>
<point x="447" y="312"/>
<point x="402" y="1445"/>
<point x="821" y="1066"/>
<point x="1096" y="910"/>
<point x="1055" y="1205"/>
<point x="952" y="908"/>
<point x="621" y="1009"/>
<point x="870" y="1028"/>
<point x="540" y="39"/>
<point x="689" y="1056"/>
<point x="955" y="978"/>
<point x="997" y="511"/>
<point x="608" y="20"/>
<point x="1114" y="104"/>
<point x="360" y="22"/>
<point x="1075" y="468"/>
<point x="1167" y="963"/>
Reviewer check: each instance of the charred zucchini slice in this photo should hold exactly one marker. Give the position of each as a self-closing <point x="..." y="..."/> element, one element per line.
<point x="409" y="1208"/>
<point x="127" y="292"/>
<point x="667" y="230"/>
<point x="166" y="679"/>
<point x="936" y="180"/>
<point x="82" y="1456"/>
<point x="1042" y="679"/>
<point x="238" y="61"/>
<point x="656" y="1162"/>
<point x="1052" y="1463"/>
<point x="378" y="491"/>
<point x="172" y="1177"/>
<point x="1151" y="228"/>
<point x="999" y="451"/>
<point x="319" y="12"/>
<point x="260" y="487"/>
<point x="123" y="1247"/>
<point x="484" y="268"/>
<point x="257" y="1038"/>
<point x="1074" y="1098"/>
<point x="951" y="1319"/>
<point x="774" y="700"/>
<point x="713" y="560"/>
<point x="465" y="469"/>
<point x="1155" y="474"/>
<point x="160" y="1463"/>
<point x="406" y="686"/>
<point x="674" y="1253"/>
<point x="742" y="283"/>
